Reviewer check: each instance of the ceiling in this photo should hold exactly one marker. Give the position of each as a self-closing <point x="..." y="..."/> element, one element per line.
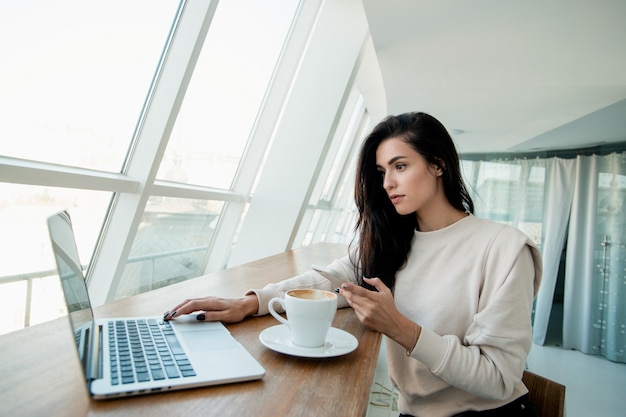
<point x="520" y="76"/>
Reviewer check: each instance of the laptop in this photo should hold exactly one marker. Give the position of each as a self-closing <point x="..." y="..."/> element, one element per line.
<point x="141" y="355"/>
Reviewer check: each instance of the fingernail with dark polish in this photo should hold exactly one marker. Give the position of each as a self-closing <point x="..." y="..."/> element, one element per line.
<point x="173" y="313"/>
<point x="200" y="317"/>
<point x="167" y="313"/>
<point x="337" y="290"/>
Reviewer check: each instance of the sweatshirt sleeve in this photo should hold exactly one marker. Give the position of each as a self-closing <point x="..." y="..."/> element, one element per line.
<point x="342" y="268"/>
<point x="490" y="360"/>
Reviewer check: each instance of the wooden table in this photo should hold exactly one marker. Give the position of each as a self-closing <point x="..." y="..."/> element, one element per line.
<point x="41" y="375"/>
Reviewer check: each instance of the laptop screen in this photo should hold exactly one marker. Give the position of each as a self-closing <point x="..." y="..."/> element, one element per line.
<point x="72" y="280"/>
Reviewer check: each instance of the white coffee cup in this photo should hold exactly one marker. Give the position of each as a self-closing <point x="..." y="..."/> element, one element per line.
<point x="310" y="313"/>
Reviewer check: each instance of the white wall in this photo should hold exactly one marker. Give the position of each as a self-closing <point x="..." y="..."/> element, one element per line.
<point x="329" y="60"/>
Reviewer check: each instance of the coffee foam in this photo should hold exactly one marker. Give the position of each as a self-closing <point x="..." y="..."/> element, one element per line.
<point x="311" y="294"/>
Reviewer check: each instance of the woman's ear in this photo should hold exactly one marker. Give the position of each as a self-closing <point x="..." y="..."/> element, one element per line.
<point x="440" y="167"/>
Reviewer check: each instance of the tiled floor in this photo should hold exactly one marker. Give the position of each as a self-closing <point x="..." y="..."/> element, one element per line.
<point x="594" y="386"/>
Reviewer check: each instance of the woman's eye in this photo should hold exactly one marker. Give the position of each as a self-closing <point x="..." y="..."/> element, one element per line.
<point x="400" y="167"/>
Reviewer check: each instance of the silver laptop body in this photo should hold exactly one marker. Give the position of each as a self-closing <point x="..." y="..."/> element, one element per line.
<point x="141" y="355"/>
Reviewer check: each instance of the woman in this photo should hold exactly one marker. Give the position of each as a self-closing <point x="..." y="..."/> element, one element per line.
<point x="452" y="293"/>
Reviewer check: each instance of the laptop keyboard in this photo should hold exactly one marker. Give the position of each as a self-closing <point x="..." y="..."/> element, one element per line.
<point x="144" y="350"/>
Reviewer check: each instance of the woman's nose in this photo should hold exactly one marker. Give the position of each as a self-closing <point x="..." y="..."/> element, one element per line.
<point x="388" y="182"/>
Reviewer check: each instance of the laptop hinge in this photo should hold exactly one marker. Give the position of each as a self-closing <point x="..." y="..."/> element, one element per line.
<point x="94" y="365"/>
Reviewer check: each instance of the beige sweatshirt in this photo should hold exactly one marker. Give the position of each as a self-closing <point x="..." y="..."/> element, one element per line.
<point x="471" y="287"/>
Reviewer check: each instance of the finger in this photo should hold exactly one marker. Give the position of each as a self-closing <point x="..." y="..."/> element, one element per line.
<point x="218" y="315"/>
<point x="356" y="295"/>
<point x="173" y="311"/>
<point x="179" y="306"/>
<point x="354" y="289"/>
<point x="224" y="311"/>
<point x="360" y="304"/>
<point x="347" y="290"/>
<point x="186" y="307"/>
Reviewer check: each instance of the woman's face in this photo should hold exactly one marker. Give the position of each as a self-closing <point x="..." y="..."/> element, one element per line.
<point x="411" y="183"/>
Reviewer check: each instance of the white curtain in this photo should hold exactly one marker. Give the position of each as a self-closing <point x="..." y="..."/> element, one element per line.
<point x="582" y="202"/>
<point x="595" y="286"/>
<point x="557" y="202"/>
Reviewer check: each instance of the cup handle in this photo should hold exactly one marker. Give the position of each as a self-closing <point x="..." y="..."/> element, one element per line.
<point x="273" y="312"/>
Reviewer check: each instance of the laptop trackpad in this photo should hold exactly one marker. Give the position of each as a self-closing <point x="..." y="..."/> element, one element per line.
<point x="208" y="340"/>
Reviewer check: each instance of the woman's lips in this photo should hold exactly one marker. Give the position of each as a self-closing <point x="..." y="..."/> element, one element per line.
<point x="395" y="198"/>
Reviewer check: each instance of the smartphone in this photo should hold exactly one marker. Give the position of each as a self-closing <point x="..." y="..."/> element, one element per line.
<point x="328" y="274"/>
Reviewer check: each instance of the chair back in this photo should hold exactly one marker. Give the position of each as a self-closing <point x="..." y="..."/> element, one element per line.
<point x="546" y="395"/>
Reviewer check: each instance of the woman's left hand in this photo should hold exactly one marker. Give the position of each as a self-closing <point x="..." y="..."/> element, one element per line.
<point x="377" y="310"/>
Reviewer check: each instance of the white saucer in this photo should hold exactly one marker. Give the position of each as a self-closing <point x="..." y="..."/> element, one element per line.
<point x="338" y="342"/>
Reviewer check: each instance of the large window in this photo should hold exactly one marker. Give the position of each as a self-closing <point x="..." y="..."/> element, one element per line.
<point x="29" y="286"/>
<point x="226" y="91"/>
<point x="509" y="191"/>
<point x="78" y="84"/>
<point x="171" y="244"/>
<point x="74" y="78"/>
<point x="331" y="213"/>
<point x="171" y="131"/>
<point x="208" y="141"/>
<point x="75" y="75"/>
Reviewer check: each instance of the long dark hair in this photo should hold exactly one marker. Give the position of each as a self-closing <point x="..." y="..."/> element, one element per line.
<point x="384" y="236"/>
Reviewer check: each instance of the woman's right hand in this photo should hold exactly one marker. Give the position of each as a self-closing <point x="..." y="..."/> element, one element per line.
<point x="209" y="308"/>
